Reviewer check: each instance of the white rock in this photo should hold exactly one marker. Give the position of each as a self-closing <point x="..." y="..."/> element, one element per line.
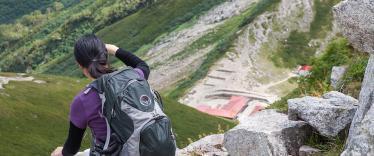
<point x="39" y="81"/>
<point x="267" y="133"/>
<point x="328" y="115"/>
<point x="309" y="151"/>
<point x="208" y="146"/>
<point x="355" y="18"/>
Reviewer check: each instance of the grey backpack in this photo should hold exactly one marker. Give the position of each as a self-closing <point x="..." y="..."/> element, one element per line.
<point x="136" y="123"/>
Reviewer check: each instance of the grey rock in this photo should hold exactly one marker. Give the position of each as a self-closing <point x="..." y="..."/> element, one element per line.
<point x="361" y="134"/>
<point x="355" y="19"/>
<point x="328" y="115"/>
<point x="266" y="133"/>
<point x="309" y="151"/>
<point x="337" y="74"/>
<point x="208" y="146"/>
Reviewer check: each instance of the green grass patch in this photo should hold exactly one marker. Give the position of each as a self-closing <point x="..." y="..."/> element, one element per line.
<point x="295" y="50"/>
<point x="34" y="117"/>
<point x="337" y="53"/>
<point x="190" y="124"/>
<point x="333" y="146"/>
<point x="146" y="25"/>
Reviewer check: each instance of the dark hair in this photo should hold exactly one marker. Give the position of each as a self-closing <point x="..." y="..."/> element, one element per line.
<point x="90" y="52"/>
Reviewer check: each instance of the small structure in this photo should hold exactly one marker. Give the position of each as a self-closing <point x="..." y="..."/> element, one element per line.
<point x="230" y="110"/>
<point x="303" y="70"/>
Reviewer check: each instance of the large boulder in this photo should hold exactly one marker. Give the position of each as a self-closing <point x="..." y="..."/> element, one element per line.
<point x="266" y="133"/>
<point x="337" y="74"/>
<point x="209" y="145"/>
<point x="356" y="21"/>
<point x="328" y="115"/>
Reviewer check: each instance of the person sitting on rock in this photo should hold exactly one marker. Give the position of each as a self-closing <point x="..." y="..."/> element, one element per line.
<point x="91" y="54"/>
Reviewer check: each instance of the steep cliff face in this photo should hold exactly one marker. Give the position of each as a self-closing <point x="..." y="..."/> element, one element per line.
<point x="356" y="19"/>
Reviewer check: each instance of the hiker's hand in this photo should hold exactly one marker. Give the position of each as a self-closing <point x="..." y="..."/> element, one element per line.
<point x="111" y="48"/>
<point x="57" y="152"/>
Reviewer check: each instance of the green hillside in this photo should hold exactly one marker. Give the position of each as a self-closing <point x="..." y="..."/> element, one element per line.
<point x="34" y="117"/>
<point x="10" y="10"/>
<point x="42" y="38"/>
<point x="47" y="46"/>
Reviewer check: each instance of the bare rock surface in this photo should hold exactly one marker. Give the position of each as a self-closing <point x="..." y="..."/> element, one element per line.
<point x="337" y="73"/>
<point x="266" y="133"/>
<point x="328" y="115"/>
<point x="209" y="146"/>
<point x="5" y="80"/>
<point x="356" y="21"/>
<point x="361" y="134"/>
<point x="309" y="151"/>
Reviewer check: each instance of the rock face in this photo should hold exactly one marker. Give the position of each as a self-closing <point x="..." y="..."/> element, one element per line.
<point x="356" y="19"/>
<point x="361" y="134"/>
<point x="337" y="74"/>
<point x="209" y="145"/>
<point x="328" y="115"/>
<point x="266" y="133"/>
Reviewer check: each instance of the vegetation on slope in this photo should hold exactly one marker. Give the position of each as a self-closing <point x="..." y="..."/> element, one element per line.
<point x="338" y="52"/>
<point x="46" y="45"/>
<point x="222" y="38"/>
<point x="44" y="41"/>
<point x="34" y="117"/>
<point x="10" y="10"/>
<point x="296" y="49"/>
<point x="146" y="25"/>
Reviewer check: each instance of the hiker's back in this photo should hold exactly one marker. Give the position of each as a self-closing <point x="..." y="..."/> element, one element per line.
<point x="134" y="112"/>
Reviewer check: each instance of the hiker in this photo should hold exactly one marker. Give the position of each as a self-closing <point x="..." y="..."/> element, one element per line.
<point x="87" y="108"/>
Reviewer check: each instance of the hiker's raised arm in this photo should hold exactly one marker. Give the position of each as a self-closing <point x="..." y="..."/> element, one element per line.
<point x="129" y="59"/>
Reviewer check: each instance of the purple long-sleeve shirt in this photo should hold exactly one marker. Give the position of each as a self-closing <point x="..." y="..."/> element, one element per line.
<point x="85" y="110"/>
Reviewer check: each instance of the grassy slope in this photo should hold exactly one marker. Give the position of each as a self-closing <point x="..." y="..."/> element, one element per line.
<point x="338" y="52"/>
<point x="295" y="49"/>
<point x="146" y="25"/>
<point x="45" y="44"/>
<point x="34" y="117"/>
<point x="139" y="29"/>
<point x="10" y="10"/>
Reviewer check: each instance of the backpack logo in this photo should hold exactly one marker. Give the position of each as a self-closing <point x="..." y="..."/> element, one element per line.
<point x="145" y="100"/>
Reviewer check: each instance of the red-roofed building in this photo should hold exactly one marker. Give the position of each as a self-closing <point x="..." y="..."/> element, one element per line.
<point x="229" y="110"/>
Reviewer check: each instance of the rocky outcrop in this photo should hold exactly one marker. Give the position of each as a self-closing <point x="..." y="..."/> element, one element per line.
<point x="356" y="21"/>
<point x="309" y="151"/>
<point x="361" y="134"/>
<point x="337" y="73"/>
<point x="328" y="115"/>
<point x="209" y="145"/>
<point x="266" y="133"/>
<point x="5" y="80"/>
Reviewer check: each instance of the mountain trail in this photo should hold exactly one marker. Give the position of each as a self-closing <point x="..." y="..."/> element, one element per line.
<point x="168" y="71"/>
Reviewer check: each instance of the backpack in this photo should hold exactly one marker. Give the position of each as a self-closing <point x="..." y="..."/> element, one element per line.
<point x="136" y="123"/>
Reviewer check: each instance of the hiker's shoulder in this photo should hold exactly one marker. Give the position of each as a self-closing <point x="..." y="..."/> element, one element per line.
<point x="86" y="93"/>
